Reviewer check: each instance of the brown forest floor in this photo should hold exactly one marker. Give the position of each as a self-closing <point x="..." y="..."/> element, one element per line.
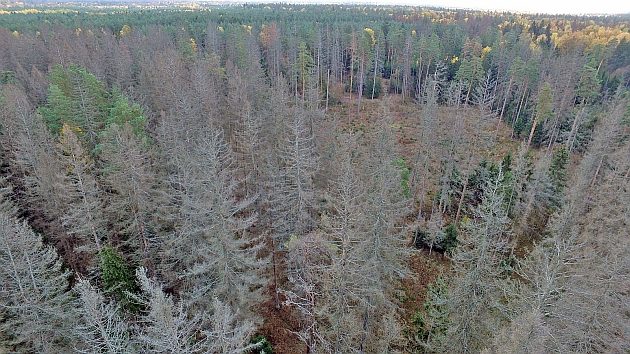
<point x="425" y="269"/>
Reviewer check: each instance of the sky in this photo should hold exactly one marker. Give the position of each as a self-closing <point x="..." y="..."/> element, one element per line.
<point x="575" y="7"/>
<point x="546" y="6"/>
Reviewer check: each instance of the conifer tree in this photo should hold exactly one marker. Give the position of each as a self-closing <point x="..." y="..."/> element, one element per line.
<point x="475" y="293"/>
<point x="84" y="216"/>
<point x="127" y="172"/>
<point x="386" y="203"/>
<point x="327" y="288"/>
<point x="30" y="150"/>
<point x="432" y="324"/>
<point x="166" y="327"/>
<point x="295" y="183"/>
<point x="537" y="199"/>
<point x="101" y="327"/>
<point x="76" y="97"/>
<point x="383" y="246"/>
<point x="169" y="327"/>
<point x="37" y="307"/>
<point x="483" y="97"/>
<point x="228" y="334"/>
<point x="212" y="248"/>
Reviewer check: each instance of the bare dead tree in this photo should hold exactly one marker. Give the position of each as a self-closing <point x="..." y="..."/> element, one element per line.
<point x="35" y="303"/>
<point x="227" y="334"/>
<point x="212" y="249"/>
<point x="475" y="294"/>
<point x="84" y="216"/>
<point x="101" y="326"/>
<point x="127" y="172"/>
<point x="383" y="246"/>
<point x="166" y="327"/>
<point x="295" y="190"/>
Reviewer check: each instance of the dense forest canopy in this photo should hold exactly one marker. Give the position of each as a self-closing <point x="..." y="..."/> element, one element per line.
<point x="281" y="178"/>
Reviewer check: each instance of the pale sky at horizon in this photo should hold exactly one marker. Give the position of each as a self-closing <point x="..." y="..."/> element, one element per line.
<point x="546" y="6"/>
<point x="575" y="7"/>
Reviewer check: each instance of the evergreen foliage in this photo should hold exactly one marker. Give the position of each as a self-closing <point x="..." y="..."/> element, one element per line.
<point x="117" y="276"/>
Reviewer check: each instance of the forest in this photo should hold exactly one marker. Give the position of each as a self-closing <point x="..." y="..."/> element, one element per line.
<point x="279" y="178"/>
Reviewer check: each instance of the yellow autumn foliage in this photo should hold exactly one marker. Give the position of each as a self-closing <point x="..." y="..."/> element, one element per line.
<point x="370" y="32"/>
<point x="125" y="30"/>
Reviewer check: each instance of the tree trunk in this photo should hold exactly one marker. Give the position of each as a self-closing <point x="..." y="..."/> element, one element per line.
<point x="554" y="132"/>
<point x="521" y="103"/>
<point x="574" y="129"/>
<point x="327" y="88"/>
<point x="351" y="82"/>
<point x="599" y="166"/>
<point x="319" y="75"/>
<point x="419" y="72"/>
<point x="531" y="132"/>
<point x="461" y="200"/>
<point x="341" y="69"/>
<point x="276" y="298"/>
<point x="468" y="93"/>
<point x="518" y="107"/>
<point x="375" y="68"/>
<point x="423" y="185"/>
<point x="505" y="98"/>
<point x="360" y="87"/>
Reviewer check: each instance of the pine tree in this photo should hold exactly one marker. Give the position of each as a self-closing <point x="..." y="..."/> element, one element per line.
<point x="30" y="150"/>
<point x="305" y="254"/>
<point x="303" y="68"/>
<point x="7" y="205"/>
<point x="429" y="125"/>
<point x="58" y="110"/>
<point x="76" y="97"/>
<point x="470" y="73"/>
<point x="558" y="173"/>
<point x="123" y="111"/>
<point x="386" y="203"/>
<point x="435" y="231"/>
<point x="537" y="200"/>
<point x="116" y="276"/>
<point x="483" y="97"/>
<point x="36" y="168"/>
<point x="432" y="324"/>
